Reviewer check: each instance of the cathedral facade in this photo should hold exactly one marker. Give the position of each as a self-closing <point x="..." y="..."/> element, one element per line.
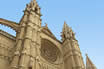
<point x="35" y="47"/>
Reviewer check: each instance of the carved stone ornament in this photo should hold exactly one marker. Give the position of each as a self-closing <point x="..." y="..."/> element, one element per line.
<point x="67" y="32"/>
<point x="49" y="51"/>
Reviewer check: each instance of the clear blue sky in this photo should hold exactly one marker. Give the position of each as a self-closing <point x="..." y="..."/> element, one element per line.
<point x="86" y="17"/>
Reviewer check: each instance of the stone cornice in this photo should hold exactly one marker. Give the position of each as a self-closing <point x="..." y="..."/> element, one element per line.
<point x="7" y="35"/>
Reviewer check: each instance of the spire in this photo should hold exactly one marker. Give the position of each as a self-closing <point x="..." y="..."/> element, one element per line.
<point x="64" y="27"/>
<point x="89" y="64"/>
<point x="34" y="1"/>
<point x="64" y="22"/>
<point x="67" y="32"/>
<point x="33" y="6"/>
<point x="46" y="25"/>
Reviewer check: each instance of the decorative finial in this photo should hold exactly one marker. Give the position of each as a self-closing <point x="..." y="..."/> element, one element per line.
<point x="65" y="25"/>
<point x="34" y="1"/>
<point x="86" y="54"/>
<point x="64" y="22"/>
<point x="46" y="25"/>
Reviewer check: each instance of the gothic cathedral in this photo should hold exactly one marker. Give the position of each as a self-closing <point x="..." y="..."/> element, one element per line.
<point x="35" y="47"/>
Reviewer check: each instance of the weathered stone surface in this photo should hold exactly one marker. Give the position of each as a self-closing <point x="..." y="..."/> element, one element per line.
<point x="35" y="47"/>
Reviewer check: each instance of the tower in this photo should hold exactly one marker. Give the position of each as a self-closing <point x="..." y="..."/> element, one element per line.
<point x="72" y="55"/>
<point x="28" y="38"/>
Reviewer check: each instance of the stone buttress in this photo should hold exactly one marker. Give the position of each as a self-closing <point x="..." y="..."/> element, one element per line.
<point x="35" y="46"/>
<point x="28" y="38"/>
<point x="72" y="55"/>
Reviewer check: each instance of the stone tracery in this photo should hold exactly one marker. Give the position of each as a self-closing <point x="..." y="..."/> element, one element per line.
<point x="49" y="51"/>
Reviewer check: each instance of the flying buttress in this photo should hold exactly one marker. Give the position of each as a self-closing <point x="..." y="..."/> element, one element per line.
<point x="10" y="24"/>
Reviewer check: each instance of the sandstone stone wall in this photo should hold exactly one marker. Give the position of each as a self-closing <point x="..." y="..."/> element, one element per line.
<point x="7" y="43"/>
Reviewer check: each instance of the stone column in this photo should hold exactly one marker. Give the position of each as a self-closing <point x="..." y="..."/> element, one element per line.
<point x="38" y="63"/>
<point x="70" y="57"/>
<point x="19" y="41"/>
<point x="33" y="55"/>
<point x="72" y="60"/>
<point x="82" y="63"/>
<point x="77" y="62"/>
<point x="76" y="54"/>
<point x="15" y="61"/>
<point x="25" y="56"/>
